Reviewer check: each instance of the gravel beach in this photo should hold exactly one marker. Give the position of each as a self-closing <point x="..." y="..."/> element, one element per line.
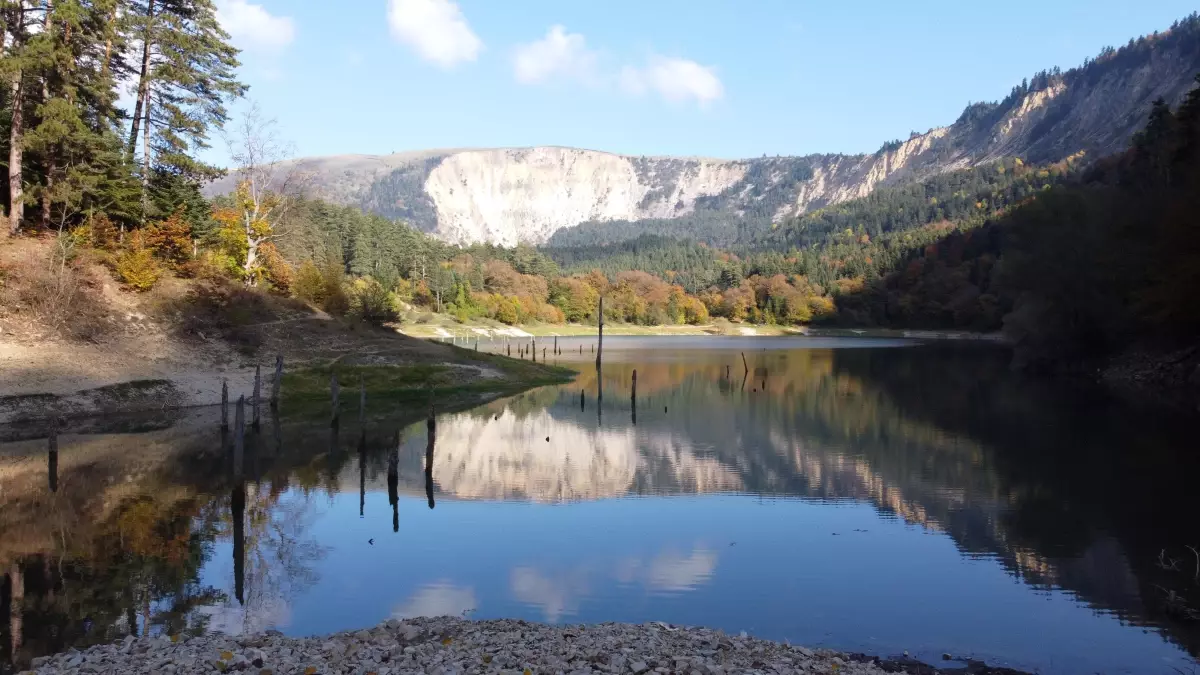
<point x="445" y="646"/>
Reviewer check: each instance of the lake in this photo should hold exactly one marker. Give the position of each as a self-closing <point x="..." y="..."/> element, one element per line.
<point x="867" y="495"/>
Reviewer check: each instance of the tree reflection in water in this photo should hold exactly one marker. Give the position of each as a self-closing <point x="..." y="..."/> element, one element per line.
<point x="1064" y="486"/>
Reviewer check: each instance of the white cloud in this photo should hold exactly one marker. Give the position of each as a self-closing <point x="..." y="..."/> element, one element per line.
<point x="441" y="598"/>
<point x="559" y="54"/>
<point x="252" y="27"/>
<point x="435" y="29"/>
<point x="563" y="55"/>
<point x="674" y="79"/>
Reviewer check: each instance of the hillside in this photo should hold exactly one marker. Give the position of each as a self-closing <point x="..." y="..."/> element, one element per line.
<point x="93" y="346"/>
<point x="526" y="195"/>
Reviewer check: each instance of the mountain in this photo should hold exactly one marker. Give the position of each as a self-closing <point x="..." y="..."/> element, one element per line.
<point x="512" y="195"/>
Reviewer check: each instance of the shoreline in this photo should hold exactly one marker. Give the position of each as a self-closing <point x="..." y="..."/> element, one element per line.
<point x="450" y="645"/>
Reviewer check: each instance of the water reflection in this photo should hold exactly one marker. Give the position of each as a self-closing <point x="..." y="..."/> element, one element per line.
<point x="830" y="496"/>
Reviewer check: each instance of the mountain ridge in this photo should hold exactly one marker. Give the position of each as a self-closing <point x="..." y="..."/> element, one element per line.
<point x="525" y="195"/>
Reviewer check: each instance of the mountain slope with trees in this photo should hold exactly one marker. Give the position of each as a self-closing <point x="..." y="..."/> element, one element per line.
<point x="534" y="195"/>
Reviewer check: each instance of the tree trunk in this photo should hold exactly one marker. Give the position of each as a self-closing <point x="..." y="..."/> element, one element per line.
<point x="50" y="163"/>
<point x="252" y="245"/>
<point x="16" y="188"/>
<point x="146" y="162"/>
<point x="143" y="79"/>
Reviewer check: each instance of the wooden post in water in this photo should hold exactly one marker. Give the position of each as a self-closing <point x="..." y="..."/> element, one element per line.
<point x="237" y="506"/>
<point x="52" y="458"/>
<point x="431" y="434"/>
<point x="543" y="354"/>
<point x="393" y="482"/>
<point x="239" y="439"/>
<point x="362" y="400"/>
<point x="726" y="371"/>
<point x="600" y="336"/>
<point x="509" y="348"/>
<point x="556" y="352"/>
<point x="745" y="364"/>
<point x="224" y="405"/>
<point x="581" y="348"/>
<point x="633" y="398"/>
<point x="534" y="350"/>
<point x="333" y="392"/>
<point x="277" y="383"/>
<point x="476" y="344"/>
<point x="362" y="471"/>
<point x="257" y="392"/>
<point x="581" y="400"/>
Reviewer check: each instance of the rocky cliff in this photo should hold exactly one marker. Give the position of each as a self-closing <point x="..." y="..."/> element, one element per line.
<point x="506" y="196"/>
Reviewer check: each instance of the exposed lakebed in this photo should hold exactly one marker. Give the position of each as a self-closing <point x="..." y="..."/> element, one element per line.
<point x="862" y="495"/>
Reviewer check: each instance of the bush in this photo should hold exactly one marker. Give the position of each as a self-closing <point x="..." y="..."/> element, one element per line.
<point x="137" y="269"/>
<point x="102" y="233"/>
<point x="372" y="303"/>
<point x="308" y="284"/>
<point x="323" y="287"/>
<point x="60" y="297"/>
<point x="170" y="240"/>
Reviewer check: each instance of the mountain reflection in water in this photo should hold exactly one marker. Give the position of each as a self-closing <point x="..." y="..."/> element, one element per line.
<point x="876" y="499"/>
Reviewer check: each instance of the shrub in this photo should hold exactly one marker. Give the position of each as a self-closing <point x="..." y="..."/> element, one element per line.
<point x="277" y="271"/>
<point x="137" y="269"/>
<point x="372" y="303"/>
<point x="170" y="240"/>
<point x="102" y="233"/>
<point x="322" y="286"/>
<point x="308" y="284"/>
<point x="60" y="297"/>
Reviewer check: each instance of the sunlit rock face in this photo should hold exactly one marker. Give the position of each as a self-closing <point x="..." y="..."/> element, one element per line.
<point x="525" y="195"/>
<point x="509" y="457"/>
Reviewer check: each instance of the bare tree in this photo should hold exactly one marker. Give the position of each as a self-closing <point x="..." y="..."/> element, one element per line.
<point x="267" y="185"/>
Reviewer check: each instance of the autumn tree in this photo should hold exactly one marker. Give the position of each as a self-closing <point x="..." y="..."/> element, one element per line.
<point x="264" y="195"/>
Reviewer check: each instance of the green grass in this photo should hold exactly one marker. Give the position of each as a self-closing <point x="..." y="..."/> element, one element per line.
<point x="453" y="381"/>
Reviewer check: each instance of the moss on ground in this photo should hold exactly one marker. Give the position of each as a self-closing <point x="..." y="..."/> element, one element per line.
<point x="453" y="380"/>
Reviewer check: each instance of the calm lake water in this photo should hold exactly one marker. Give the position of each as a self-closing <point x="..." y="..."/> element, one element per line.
<point x="864" y="495"/>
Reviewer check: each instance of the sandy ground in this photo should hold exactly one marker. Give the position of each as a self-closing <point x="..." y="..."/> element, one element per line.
<point x="62" y="369"/>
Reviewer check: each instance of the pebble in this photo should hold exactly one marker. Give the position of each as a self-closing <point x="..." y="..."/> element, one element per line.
<point x="455" y="646"/>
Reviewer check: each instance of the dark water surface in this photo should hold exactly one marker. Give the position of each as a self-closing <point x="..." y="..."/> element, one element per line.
<point x="864" y="495"/>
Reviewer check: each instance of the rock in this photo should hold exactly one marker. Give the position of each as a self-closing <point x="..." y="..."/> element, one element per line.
<point x="452" y="646"/>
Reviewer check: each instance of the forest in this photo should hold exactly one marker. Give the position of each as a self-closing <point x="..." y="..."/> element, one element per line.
<point x="1079" y="256"/>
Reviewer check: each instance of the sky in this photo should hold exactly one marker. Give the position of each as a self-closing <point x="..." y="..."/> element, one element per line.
<point x="713" y="78"/>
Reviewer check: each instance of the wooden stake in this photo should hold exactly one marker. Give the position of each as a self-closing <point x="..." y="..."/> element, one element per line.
<point x="556" y="352"/>
<point x="362" y="400"/>
<point x="257" y="393"/>
<point x="333" y="392"/>
<point x="431" y="433"/>
<point x="52" y="458"/>
<point x="224" y="405"/>
<point x="277" y="383"/>
<point x="239" y="440"/>
<point x="745" y="364"/>
<point x="600" y="337"/>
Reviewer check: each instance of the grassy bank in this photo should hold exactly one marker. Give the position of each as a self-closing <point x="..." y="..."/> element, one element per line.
<point x="465" y="374"/>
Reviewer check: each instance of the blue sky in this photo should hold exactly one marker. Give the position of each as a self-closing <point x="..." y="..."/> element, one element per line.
<point x="719" y="78"/>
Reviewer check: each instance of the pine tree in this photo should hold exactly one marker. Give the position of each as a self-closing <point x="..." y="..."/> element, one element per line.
<point x="185" y="77"/>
